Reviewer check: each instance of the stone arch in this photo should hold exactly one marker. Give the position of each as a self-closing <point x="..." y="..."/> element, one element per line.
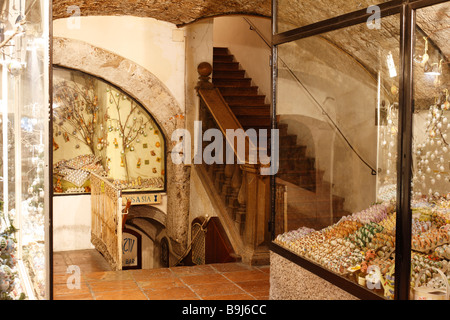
<point x="153" y="95"/>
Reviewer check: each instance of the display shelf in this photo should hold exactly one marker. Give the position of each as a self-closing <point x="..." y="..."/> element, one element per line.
<point x="329" y="81"/>
<point x="337" y="280"/>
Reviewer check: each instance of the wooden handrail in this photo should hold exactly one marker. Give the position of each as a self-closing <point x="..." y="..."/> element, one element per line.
<point x="223" y="115"/>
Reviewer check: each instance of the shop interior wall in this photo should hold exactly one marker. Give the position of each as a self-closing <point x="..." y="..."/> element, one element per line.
<point x="234" y="33"/>
<point x="349" y="95"/>
<point x="157" y="46"/>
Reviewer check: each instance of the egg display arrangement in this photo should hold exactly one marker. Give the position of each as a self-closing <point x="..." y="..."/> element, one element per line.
<point x="99" y="129"/>
<point x="366" y="239"/>
<point x="431" y="178"/>
<point x="343" y="245"/>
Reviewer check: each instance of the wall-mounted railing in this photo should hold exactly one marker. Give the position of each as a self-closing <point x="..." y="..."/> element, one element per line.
<point x="106" y="215"/>
<point x="295" y="77"/>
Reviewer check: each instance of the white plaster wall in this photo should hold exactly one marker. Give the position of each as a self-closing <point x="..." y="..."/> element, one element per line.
<point x="72" y="223"/>
<point x="248" y="48"/>
<point x="199" y="44"/>
<point x="155" y="45"/>
<point x="349" y="95"/>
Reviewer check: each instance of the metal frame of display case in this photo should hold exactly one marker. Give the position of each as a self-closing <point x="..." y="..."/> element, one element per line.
<point x="406" y="10"/>
<point x="48" y="238"/>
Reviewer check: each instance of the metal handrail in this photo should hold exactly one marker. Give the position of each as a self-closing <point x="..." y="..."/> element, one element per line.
<point x="258" y="32"/>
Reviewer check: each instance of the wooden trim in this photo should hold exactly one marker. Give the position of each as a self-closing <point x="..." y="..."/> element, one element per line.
<point x="226" y="120"/>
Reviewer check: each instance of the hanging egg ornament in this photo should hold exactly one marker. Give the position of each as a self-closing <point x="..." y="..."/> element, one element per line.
<point x="445" y="105"/>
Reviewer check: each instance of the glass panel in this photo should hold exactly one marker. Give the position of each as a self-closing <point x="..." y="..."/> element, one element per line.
<point x="337" y="102"/>
<point x="25" y="98"/>
<point x="293" y="14"/>
<point x="431" y="160"/>
<point x="98" y="128"/>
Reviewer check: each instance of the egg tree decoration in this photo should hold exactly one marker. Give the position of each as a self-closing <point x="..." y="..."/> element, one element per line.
<point x="77" y="112"/>
<point x="131" y="127"/>
<point x="388" y="152"/>
<point x="431" y="178"/>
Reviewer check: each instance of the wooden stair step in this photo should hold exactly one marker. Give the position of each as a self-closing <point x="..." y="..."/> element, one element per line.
<point x="249" y="100"/>
<point x="249" y="121"/>
<point x="250" y="111"/>
<point x="227" y="82"/>
<point x="222" y="58"/>
<point x="225" y="65"/>
<point x="226" y="74"/>
<point x="290" y="139"/>
<point x="293" y="151"/>
<point x="235" y="91"/>
<point x="220" y="50"/>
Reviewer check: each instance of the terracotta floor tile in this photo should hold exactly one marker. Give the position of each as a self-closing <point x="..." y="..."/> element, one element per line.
<point x="204" y="279"/>
<point x="114" y="285"/>
<point x="145" y="274"/>
<point x="107" y="275"/>
<point x="63" y="289"/>
<point x="222" y="281"/>
<point x="255" y="286"/>
<point x="59" y="269"/>
<point x="62" y="278"/>
<point x="216" y="289"/>
<point x="265" y="269"/>
<point x="84" y="296"/>
<point x="179" y="293"/>
<point x="247" y="275"/>
<point x="242" y="296"/>
<point x="121" y="295"/>
<point x="160" y="283"/>
<point x="229" y="267"/>
<point x="192" y="270"/>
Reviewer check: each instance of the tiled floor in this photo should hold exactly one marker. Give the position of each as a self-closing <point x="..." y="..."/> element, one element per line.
<point x="227" y="281"/>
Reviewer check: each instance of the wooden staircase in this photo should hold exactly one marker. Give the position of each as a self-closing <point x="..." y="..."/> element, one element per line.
<point x="308" y="192"/>
<point x="242" y="96"/>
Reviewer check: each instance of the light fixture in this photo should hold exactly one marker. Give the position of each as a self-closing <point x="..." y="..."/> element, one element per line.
<point x="434" y="69"/>
<point x="422" y="60"/>
<point x="391" y="65"/>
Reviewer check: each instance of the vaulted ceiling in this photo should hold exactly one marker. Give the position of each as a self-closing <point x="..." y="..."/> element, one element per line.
<point x="179" y="12"/>
<point x="357" y="41"/>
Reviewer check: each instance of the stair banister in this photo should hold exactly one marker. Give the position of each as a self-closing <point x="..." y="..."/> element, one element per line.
<point x="247" y="197"/>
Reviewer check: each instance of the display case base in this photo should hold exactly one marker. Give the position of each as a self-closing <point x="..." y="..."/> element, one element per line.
<point x="294" y="278"/>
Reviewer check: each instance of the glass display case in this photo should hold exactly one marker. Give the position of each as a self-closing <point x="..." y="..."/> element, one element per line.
<point x="98" y="128"/>
<point x="24" y="224"/>
<point x="361" y="102"/>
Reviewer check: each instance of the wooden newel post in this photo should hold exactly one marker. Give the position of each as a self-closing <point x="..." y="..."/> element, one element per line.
<point x="257" y="206"/>
<point x="204" y="69"/>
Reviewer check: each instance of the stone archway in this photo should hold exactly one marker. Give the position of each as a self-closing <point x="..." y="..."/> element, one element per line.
<point x="152" y="94"/>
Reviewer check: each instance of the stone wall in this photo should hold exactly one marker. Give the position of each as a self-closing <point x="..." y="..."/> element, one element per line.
<point x="148" y="90"/>
<point x="288" y="281"/>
